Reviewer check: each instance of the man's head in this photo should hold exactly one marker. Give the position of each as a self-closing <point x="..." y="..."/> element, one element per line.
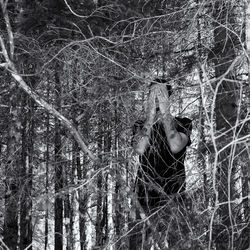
<point x="161" y="81"/>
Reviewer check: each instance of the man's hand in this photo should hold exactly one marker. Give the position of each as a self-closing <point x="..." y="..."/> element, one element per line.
<point x="141" y="141"/>
<point x="177" y="140"/>
<point x="163" y="98"/>
<point x="141" y="138"/>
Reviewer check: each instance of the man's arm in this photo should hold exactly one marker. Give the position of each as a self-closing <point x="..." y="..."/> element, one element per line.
<point x="140" y="142"/>
<point x="176" y="140"/>
<point x="141" y="137"/>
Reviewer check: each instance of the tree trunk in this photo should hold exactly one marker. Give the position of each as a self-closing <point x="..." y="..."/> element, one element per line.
<point x="119" y="200"/>
<point x="26" y="173"/>
<point x="47" y="159"/>
<point x="99" y="202"/>
<point x="83" y="200"/>
<point x="67" y="213"/>
<point x="58" y="169"/>
<point x="201" y="134"/>
<point x="69" y="205"/>
<point x="99" y="216"/>
<point x="77" y="165"/>
<point x="104" y="145"/>
<point x="107" y="148"/>
<point x="10" y="230"/>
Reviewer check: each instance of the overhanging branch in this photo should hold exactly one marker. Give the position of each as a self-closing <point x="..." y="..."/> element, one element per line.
<point x="40" y="101"/>
<point x="77" y="136"/>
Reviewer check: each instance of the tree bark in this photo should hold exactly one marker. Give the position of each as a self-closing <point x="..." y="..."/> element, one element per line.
<point x="58" y="168"/>
<point x="26" y="173"/>
<point x="10" y="230"/>
<point x="104" y="145"/>
<point x="47" y="159"/>
<point x="83" y="200"/>
<point x="69" y="172"/>
<point x="119" y="201"/>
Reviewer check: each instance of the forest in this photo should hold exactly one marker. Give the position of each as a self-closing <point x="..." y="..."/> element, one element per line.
<point x="74" y="79"/>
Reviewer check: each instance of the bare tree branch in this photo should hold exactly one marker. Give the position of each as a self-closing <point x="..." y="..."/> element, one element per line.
<point x="8" y="28"/>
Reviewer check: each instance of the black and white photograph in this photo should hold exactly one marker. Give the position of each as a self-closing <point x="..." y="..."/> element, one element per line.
<point x="124" y="124"/>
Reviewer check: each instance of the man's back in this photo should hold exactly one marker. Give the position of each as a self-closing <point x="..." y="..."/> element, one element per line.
<point x="161" y="172"/>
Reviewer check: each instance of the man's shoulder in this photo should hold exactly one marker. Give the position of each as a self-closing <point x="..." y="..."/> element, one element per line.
<point x="183" y="119"/>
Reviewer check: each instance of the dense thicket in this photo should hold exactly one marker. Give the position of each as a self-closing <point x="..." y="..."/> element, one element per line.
<point x="74" y="77"/>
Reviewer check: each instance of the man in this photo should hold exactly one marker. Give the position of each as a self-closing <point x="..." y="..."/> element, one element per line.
<point x="161" y="142"/>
